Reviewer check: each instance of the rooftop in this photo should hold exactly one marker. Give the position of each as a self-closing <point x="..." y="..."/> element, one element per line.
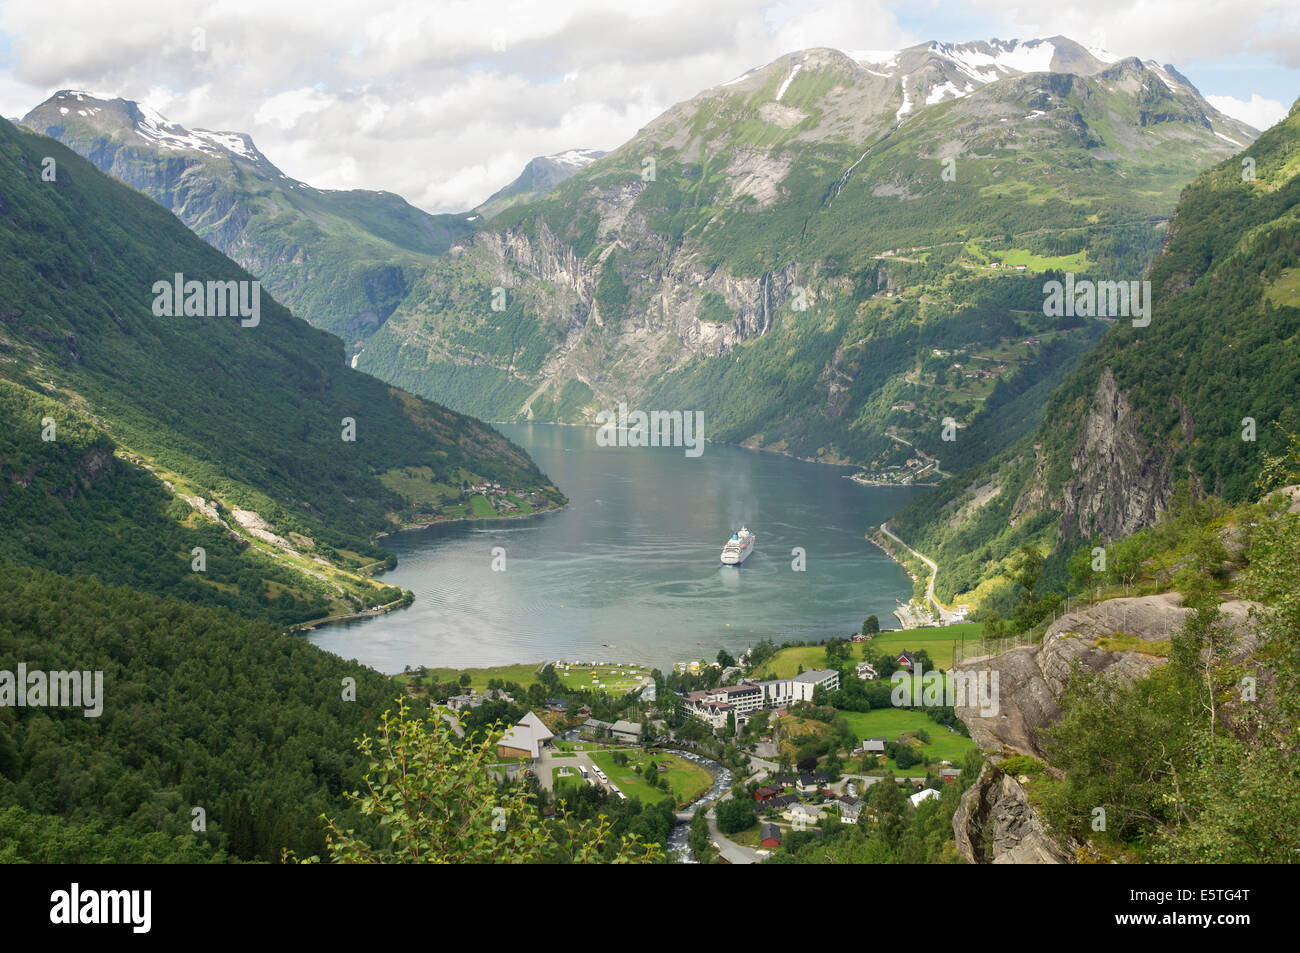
<point x="815" y="675"/>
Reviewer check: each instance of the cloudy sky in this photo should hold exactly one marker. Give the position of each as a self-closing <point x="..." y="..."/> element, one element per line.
<point x="443" y="102"/>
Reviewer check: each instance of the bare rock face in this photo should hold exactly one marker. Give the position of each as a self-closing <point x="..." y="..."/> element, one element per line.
<point x="996" y="824"/>
<point x="1120" y="483"/>
<point x="1032" y="679"/>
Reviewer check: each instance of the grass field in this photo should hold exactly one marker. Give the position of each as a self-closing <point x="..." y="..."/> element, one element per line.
<point x="688" y="781"/>
<point x="1285" y="291"/>
<point x="479" y="677"/>
<point x="889" y="723"/>
<point x="610" y="679"/>
<point x="938" y="642"/>
<point x="558" y="784"/>
<point x="616" y="679"/>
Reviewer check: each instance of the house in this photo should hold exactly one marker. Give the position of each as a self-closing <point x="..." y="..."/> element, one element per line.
<point x="867" y="671"/>
<point x="949" y="775"/>
<point x="557" y="704"/>
<point x="594" y="728"/>
<point x="850" y="808"/>
<point x="703" y="706"/>
<point x="906" y="660"/>
<point x="461" y="702"/>
<point x="811" y="783"/>
<point x="628" y="732"/>
<point x="769" y="836"/>
<point x="524" y="740"/>
<point x="804" y="814"/>
<point x="732" y="854"/>
<point x="780" y="802"/>
<point x="767" y="792"/>
<point x="806" y="682"/>
<point x="925" y="795"/>
<point x="873" y="746"/>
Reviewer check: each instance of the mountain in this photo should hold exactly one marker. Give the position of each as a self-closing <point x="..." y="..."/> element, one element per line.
<point x="132" y="436"/>
<point x="1193" y="403"/>
<point x="340" y="259"/>
<point x="828" y="255"/>
<point x="539" y="177"/>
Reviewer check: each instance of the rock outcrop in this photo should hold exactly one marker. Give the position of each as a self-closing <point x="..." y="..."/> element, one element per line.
<point x="996" y="823"/>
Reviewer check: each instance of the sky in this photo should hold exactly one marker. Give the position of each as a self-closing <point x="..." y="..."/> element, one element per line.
<point x="444" y="102"/>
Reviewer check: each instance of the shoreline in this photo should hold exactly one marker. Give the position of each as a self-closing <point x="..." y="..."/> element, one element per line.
<point x="466" y="519"/>
<point x="405" y="602"/>
<point x="739" y="446"/>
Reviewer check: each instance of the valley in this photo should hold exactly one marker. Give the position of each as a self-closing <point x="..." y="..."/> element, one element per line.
<point x="341" y="498"/>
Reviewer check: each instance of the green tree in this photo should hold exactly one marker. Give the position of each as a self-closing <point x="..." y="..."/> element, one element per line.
<point x="886" y="799"/>
<point x="735" y="814"/>
<point x="436" y="801"/>
<point x="871" y="625"/>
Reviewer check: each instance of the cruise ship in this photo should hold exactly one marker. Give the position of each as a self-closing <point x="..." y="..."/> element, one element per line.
<point x="738" y="548"/>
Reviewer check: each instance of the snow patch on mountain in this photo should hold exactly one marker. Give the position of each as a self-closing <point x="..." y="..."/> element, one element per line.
<point x="1014" y="56"/>
<point x="940" y="93"/>
<point x="886" y="58"/>
<point x="576" y="158"/>
<point x="788" y="80"/>
<point x="154" y="127"/>
<point x="906" y="108"/>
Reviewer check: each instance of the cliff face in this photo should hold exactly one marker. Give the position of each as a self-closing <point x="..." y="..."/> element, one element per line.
<point x="996" y="823"/>
<point x="1119" y="480"/>
<point x="618" y="349"/>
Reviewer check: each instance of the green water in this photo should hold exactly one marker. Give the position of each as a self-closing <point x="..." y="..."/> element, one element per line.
<point x="629" y="571"/>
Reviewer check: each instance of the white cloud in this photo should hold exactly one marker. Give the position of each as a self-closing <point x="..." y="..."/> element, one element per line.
<point x="285" y="109"/>
<point x="1258" y="112"/>
<point x="443" y="101"/>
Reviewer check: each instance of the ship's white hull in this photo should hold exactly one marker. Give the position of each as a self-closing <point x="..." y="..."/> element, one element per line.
<point x="738" y="550"/>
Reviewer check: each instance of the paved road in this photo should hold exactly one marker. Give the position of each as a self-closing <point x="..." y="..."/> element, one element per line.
<point x="725" y="844"/>
<point x="945" y="615"/>
<point x="545" y="765"/>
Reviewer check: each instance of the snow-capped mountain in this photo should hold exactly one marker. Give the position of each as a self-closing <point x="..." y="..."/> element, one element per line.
<point x="128" y="120"/>
<point x="539" y="177"/>
<point x="341" y="259"/>
<point x="934" y="72"/>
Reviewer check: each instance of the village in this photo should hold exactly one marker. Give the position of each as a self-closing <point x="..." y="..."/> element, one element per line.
<point x="762" y="748"/>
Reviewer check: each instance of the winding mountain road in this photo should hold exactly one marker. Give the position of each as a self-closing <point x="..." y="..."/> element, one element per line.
<point x="947" y="616"/>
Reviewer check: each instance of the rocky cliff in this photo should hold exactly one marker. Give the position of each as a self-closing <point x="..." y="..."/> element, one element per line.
<point x="996" y="822"/>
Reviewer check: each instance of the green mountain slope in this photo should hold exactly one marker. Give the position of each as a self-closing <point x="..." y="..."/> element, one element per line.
<point x="788" y="252"/>
<point x="340" y="259"/>
<point x="200" y="709"/>
<point x="244" y="424"/>
<point x="1152" y="408"/>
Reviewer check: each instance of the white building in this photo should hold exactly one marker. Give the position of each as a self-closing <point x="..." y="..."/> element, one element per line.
<point x="806" y="682"/>
<point x="713" y="705"/>
<point x="524" y="740"/>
